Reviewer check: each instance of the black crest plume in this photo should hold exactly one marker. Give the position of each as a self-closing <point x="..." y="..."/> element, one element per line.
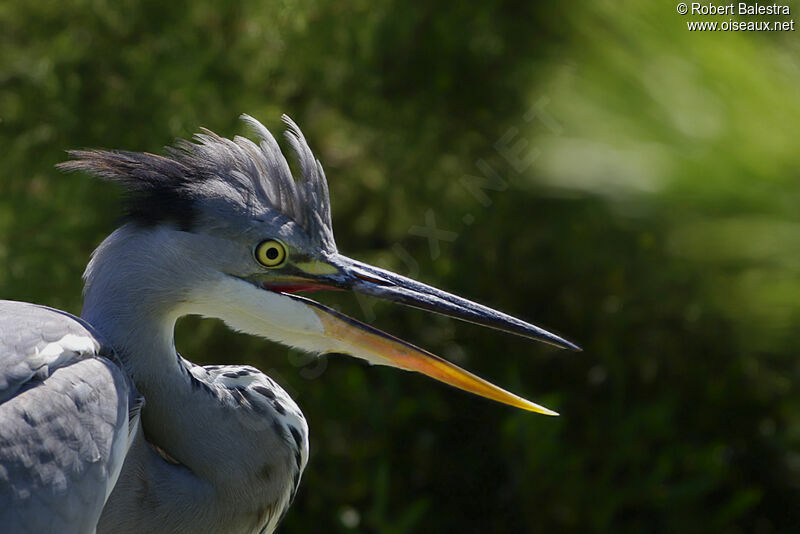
<point x="245" y="177"/>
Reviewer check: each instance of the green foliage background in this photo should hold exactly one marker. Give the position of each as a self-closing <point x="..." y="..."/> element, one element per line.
<point x="652" y="218"/>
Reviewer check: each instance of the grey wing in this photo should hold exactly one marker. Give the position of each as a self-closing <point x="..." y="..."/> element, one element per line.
<point x="67" y="412"/>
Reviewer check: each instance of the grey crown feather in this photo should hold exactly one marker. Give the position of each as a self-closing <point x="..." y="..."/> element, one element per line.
<point x="247" y="178"/>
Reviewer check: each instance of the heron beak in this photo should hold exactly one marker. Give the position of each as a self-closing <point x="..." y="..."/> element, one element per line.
<point x="376" y="282"/>
<point x="364" y="341"/>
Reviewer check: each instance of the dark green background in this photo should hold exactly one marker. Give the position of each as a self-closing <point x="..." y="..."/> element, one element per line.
<point x="654" y="219"/>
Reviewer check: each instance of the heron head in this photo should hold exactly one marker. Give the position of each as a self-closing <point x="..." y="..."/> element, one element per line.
<point x="255" y="238"/>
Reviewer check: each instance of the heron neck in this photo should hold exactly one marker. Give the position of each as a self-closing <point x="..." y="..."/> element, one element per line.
<point x="133" y="298"/>
<point x="231" y="460"/>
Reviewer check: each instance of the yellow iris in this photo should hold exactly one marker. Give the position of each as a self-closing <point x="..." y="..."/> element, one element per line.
<point x="271" y="253"/>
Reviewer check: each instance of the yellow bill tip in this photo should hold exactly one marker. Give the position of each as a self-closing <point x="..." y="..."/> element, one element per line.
<point x="536" y="408"/>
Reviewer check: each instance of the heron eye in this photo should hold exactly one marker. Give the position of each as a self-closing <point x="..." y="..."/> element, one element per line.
<point x="271" y="253"/>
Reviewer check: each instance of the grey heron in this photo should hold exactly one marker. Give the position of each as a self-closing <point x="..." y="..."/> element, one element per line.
<point x="104" y="426"/>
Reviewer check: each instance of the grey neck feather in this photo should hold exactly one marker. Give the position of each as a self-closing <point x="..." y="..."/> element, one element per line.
<point x="134" y="289"/>
<point x="132" y="295"/>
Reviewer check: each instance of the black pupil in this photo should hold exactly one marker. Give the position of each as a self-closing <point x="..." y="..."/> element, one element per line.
<point x="272" y="253"/>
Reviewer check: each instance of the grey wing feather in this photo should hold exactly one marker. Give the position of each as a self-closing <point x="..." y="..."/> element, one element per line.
<point x="35" y="339"/>
<point x="67" y="412"/>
